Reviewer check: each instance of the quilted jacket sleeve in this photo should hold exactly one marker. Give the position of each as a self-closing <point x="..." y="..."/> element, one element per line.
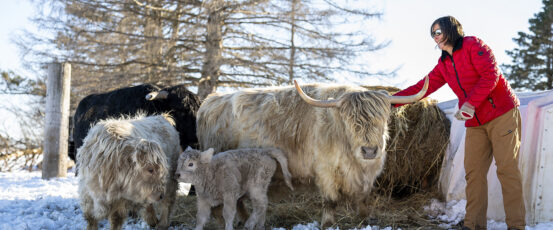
<point x="484" y="62"/>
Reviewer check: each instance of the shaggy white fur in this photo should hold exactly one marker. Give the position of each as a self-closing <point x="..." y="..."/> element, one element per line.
<point x="128" y="163"/>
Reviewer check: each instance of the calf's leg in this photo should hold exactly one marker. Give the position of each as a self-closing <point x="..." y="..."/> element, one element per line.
<point x="203" y="213"/>
<point x="229" y="211"/>
<point x="260" y="201"/>
<point x="149" y="215"/>
<point x="92" y="223"/>
<point x="117" y="217"/>
<point x="87" y="205"/>
<point x="167" y="203"/>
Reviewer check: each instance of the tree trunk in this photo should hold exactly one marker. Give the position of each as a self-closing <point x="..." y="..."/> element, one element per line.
<point x="153" y="31"/>
<point x="292" y="43"/>
<point x="213" y="50"/>
<point x="56" y="130"/>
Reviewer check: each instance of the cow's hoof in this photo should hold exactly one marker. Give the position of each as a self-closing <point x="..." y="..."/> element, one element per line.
<point x="370" y="221"/>
<point x="162" y="227"/>
<point x="152" y="221"/>
<point x="327" y="224"/>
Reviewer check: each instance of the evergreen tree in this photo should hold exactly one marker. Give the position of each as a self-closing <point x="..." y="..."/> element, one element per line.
<point x="532" y="67"/>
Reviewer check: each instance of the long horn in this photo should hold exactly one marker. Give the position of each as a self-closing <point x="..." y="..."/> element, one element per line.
<point x="412" y="98"/>
<point x="157" y="95"/>
<point x="317" y="103"/>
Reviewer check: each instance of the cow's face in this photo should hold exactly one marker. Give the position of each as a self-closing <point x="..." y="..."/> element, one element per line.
<point x="365" y="116"/>
<point x="149" y="177"/>
<point x="372" y="147"/>
<point x="189" y="162"/>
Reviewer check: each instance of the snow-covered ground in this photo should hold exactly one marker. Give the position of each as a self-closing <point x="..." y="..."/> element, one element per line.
<point x="28" y="202"/>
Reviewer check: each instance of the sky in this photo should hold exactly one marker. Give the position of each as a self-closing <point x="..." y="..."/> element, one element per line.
<point x="28" y="202"/>
<point x="14" y="16"/>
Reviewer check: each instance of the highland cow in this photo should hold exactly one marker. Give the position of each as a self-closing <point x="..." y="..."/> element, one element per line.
<point x="128" y="164"/>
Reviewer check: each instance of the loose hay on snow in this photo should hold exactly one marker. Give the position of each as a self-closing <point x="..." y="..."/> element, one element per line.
<point x="304" y="208"/>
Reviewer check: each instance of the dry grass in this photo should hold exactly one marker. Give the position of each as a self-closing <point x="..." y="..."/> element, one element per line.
<point x="304" y="208"/>
<point x="20" y="159"/>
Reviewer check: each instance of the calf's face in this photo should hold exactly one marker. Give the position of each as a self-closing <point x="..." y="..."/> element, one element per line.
<point x="152" y="183"/>
<point x="149" y="176"/>
<point x="189" y="163"/>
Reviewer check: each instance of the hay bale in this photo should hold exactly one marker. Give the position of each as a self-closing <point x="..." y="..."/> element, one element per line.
<point x="419" y="136"/>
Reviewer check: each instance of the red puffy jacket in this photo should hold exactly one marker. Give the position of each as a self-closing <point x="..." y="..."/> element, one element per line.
<point x="472" y="73"/>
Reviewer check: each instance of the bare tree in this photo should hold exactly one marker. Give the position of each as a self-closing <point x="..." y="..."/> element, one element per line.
<point x="22" y="98"/>
<point x="112" y="44"/>
<point x="211" y="43"/>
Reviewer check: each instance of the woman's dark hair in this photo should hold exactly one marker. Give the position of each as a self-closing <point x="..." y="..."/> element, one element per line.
<point x="452" y="29"/>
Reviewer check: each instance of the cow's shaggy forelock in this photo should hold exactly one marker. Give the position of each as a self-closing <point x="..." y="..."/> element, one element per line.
<point x="366" y="114"/>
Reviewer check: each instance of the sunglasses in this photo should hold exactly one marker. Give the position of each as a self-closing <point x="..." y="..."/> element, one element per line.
<point x="437" y="32"/>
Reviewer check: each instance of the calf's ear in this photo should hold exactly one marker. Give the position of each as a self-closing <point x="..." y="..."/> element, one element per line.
<point x="205" y="156"/>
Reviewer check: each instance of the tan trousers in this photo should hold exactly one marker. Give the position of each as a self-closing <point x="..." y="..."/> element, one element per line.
<point x="500" y="139"/>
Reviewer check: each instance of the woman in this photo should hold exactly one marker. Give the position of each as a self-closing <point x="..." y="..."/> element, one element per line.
<point x="489" y="108"/>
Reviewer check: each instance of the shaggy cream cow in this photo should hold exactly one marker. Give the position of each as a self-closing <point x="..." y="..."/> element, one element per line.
<point x="339" y="144"/>
<point x="127" y="164"/>
<point x="229" y="176"/>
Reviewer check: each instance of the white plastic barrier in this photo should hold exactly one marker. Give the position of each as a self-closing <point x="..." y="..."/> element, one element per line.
<point x="535" y="161"/>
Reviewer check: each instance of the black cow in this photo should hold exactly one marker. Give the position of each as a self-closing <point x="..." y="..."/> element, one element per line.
<point x="179" y="102"/>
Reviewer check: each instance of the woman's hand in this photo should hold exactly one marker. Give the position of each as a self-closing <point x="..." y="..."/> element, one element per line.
<point x="466" y="112"/>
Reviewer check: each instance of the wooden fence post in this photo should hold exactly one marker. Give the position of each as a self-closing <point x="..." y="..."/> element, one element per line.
<point x="56" y="129"/>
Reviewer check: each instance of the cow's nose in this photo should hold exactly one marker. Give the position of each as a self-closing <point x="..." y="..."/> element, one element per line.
<point x="369" y="152"/>
<point x="177" y="175"/>
<point x="161" y="197"/>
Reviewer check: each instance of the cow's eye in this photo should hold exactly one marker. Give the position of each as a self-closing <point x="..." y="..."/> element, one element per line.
<point x="190" y="164"/>
<point x="151" y="170"/>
